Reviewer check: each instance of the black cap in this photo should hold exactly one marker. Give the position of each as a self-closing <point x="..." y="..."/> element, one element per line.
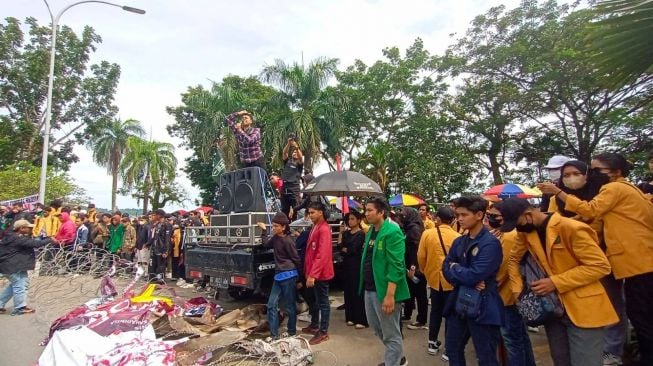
<point x="511" y="209"/>
<point x="159" y="212"/>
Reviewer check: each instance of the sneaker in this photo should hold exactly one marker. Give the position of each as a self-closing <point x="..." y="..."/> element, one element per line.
<point x="23" y="310"/>
<point x="416" y="325"/>
<point x="181" y="282"/>
<point x="350" y="323"/>
<point x="444" y="357"/>
<point x="434" y="347"/>
<point x="318" y="338"/>
<point x="533" y="329"/>
<point x="304" y="318"/>
<point x="611" y="360"/>
<point x="359" y="326"/>
<point x="311" y="330"/>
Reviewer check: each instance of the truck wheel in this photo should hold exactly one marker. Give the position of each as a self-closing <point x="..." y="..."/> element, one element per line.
<point x="239" y="293"/>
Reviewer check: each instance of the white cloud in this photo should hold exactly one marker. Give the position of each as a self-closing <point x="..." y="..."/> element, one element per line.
<point x="178" y="44"/>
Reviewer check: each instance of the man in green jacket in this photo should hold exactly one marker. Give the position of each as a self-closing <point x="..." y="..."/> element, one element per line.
<point x="383" y="278"/>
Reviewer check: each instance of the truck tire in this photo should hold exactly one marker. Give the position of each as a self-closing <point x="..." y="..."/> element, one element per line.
<point x="239" y="293"/>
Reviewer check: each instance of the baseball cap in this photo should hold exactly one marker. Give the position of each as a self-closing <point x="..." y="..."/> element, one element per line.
<point x="22" y="223"/>
<point x="511" y="208"/>
<point x="556" y="162"/>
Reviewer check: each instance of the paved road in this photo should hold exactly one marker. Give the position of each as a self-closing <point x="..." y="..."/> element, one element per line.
<point x="19" y="336"/>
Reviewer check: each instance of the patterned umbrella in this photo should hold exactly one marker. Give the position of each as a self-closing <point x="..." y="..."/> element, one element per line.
<point x="352" y="203"/>
<point x="405" y="199"/>
<point x="513" y="190"/>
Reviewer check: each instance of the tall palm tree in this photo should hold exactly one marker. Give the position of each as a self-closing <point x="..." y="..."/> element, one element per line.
<point x="109" y="146"/>
<point x="621" y="39"/>
<point x="376" y="163"/>
<point x="310" y="113"/>
<point x="148" y="164"/>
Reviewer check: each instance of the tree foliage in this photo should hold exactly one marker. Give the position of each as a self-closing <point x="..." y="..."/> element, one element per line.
<point x="21" y="180"/>
<point x="83" y="93"/>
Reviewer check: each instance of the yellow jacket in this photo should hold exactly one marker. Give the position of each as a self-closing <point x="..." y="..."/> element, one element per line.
<point x="508" y="241"/>
<point x="176" y="241"/>
<point x="575" y="264"/>
<point x="39" y="224"/>
<point x="627" y="226"/>
<point x="594" y="223"/>
<point x="49" y="225"/>
<point x="430" y="255"/>
<point x="428" y="224"/>
<point x="92" y="215"/>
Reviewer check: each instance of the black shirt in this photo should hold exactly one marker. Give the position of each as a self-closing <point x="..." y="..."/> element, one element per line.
<point x="292" y="172"/>
<point x="368" y="271"/>
<point x="541" y="231"/>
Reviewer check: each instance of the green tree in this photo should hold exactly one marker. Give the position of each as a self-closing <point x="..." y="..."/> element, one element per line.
<point x="376" y="162"/>
<point x="109" y="146"/>
<point x="620" y="39"/>
<point x="148" y="167"/>
<point x="169" y="192"/>
<point x="82" y="97"/>
<point x="540" y="50"/>
<point x="21" y="180"/>
<point x="307" y="110"/>
<point x="199" y="123"/>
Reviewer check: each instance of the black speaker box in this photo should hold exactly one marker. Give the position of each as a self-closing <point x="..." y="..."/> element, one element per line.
<point x="249" y="194"/>
<point x="225" y="194"/>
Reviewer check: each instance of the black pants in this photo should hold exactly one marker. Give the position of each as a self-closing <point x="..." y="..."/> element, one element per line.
<point x="639" y="297"/>
<point x="417" y="293"/>
<point x="157" y="268"/>
<point x="290" y="199"/>
<point x="354" y="303"/>
<point x="438" y="299"/>
<point x="319" y="308"/>
<point x="259" y="163"/>
<point x="176" y="269"/>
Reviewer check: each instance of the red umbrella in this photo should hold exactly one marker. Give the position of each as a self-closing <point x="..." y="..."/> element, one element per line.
<point x="205" y="209"/>
<point x="181" y="212"/>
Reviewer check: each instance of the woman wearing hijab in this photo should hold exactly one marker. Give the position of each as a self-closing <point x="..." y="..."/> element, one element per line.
<point x="627" y="216"/>
<point x="351" y="245"/>
<point x="577" y="179"/>
<point x="413" y="227"/>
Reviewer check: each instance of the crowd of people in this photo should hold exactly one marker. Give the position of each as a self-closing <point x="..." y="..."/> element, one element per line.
<point x="579" y="263"/>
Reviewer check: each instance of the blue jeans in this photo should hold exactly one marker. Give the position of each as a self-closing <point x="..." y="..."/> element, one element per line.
<point x="615" y="335"/>
<point x="320" y="310"/>
<point x="285" y="291"/>
<point x="516" y="340"/>
<point x="17" y="288"/>
<point x="386" y="327"/>
<point x="484" y="337"/>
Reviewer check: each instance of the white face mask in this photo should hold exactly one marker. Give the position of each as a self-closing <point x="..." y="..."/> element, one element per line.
<point x="554" y="174"/>
<point x="574" y="182"/>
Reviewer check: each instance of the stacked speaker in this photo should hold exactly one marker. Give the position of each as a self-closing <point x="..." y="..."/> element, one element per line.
<point x="242" y="190"/>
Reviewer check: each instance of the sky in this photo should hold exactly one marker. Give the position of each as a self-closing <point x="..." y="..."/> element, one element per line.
<point x="178" y="44"/>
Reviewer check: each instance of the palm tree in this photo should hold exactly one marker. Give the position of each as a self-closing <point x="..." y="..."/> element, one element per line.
<point x="310" y="113"/>
<point x="109" y="146"/>
<point x="148" y="164"/>
<point x="621" y="39"/>
<point x="376" y="163"/>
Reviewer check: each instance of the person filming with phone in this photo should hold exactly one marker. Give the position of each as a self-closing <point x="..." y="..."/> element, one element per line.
<point x="293" y="166"/>
<point x="249" y="139"/>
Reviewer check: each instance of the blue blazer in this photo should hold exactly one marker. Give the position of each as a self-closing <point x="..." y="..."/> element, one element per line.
<point x="477" y="260"/>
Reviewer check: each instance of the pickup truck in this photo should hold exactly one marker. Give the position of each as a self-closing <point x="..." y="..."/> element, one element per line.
<point x="230" y="252"/>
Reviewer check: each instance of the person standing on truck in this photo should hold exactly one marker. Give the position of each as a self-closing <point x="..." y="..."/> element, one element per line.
<point x="249" y="139"/>
<point x="287" y="264"/>
<point x="159" y="245"/>
<point x="318" y="269"/>
<point x="293" y="165"/>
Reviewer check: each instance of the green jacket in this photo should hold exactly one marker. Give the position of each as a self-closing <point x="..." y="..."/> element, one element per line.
<point x="388" y="263"/>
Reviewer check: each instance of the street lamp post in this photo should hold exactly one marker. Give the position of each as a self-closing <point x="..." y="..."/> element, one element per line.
<point x="48" y="110"/>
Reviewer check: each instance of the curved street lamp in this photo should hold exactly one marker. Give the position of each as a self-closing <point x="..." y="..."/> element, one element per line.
<point x="48" y="111"/>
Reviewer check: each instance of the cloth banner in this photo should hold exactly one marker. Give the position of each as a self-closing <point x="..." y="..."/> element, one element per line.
<point x="29" y="202"/>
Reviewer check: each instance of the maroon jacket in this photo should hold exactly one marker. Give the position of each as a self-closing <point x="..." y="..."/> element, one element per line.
<point x="319" y="253"/>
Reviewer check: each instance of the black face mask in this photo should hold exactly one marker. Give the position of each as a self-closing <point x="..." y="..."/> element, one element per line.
<point x="600" y="175"/>
<point x="493" y="221"/>
<point x="526" y="228"/>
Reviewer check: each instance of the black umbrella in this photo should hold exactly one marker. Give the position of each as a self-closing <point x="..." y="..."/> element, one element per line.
<point x="343" y="183"/>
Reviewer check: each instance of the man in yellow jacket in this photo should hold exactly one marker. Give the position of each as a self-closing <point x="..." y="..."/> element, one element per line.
<point x="424" y="215"/>
<point x="433" y="248"/>
<point x="568" y="252"/>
